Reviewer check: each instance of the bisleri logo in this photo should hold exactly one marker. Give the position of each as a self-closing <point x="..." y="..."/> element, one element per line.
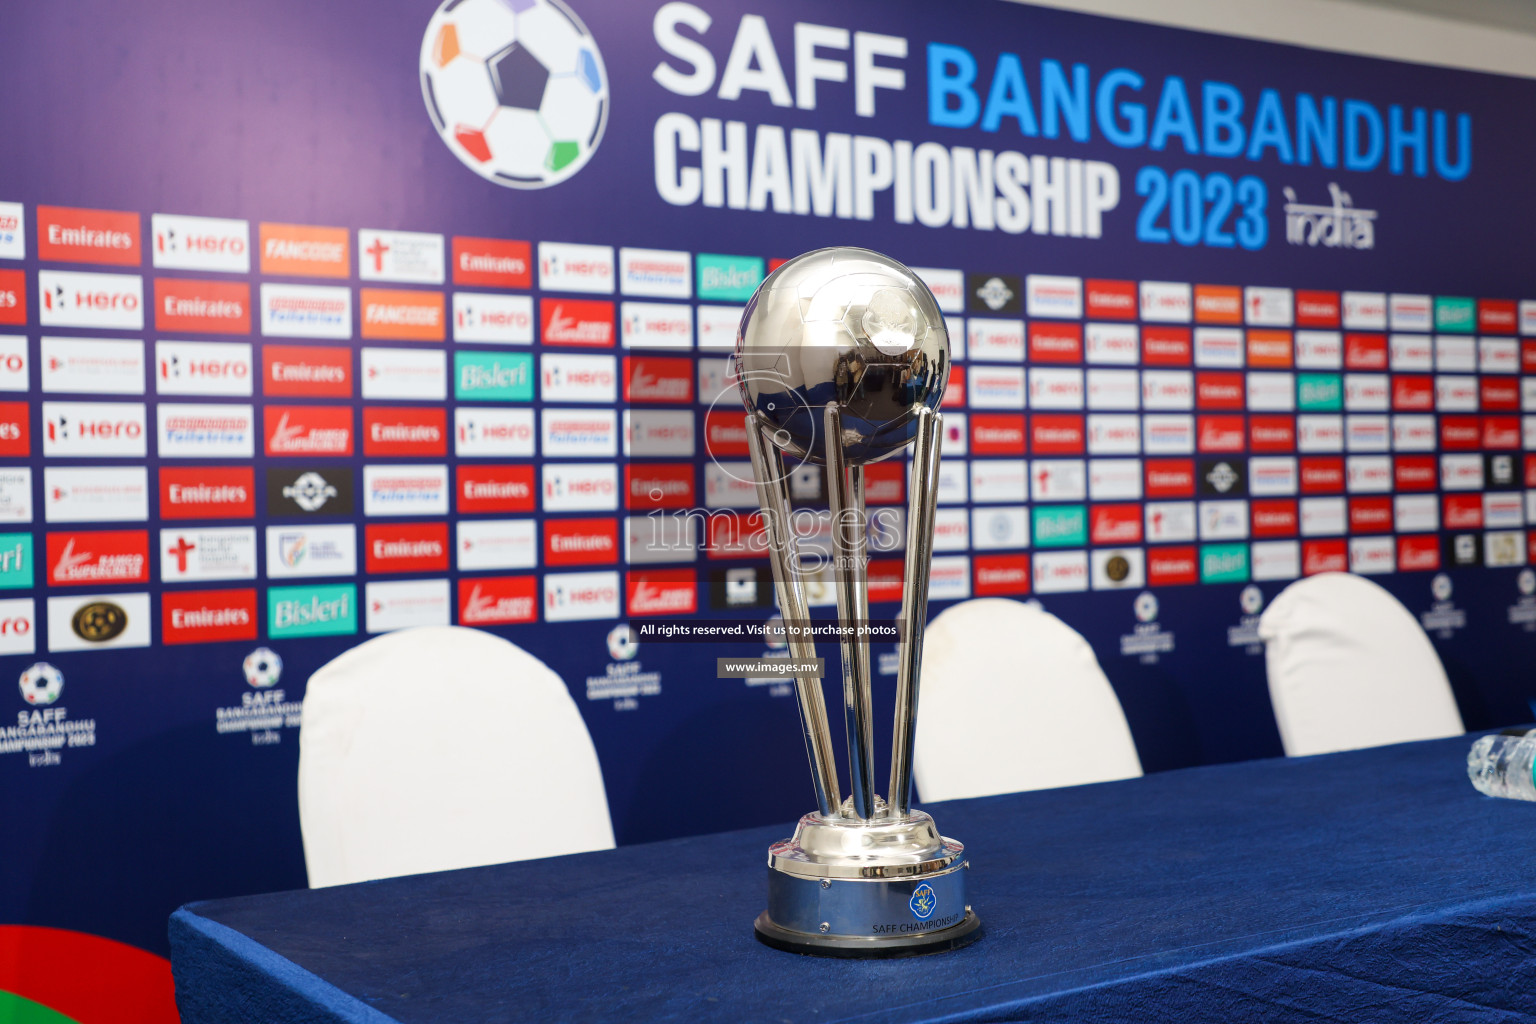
<point x="518" y="92"/>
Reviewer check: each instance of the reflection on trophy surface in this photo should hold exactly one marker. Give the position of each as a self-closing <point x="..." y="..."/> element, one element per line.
<point x="843" y="357"/>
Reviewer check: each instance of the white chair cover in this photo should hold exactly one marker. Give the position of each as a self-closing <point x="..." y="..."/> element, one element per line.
<point x="442" y="747"/>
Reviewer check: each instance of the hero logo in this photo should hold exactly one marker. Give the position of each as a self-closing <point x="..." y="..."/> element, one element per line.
<point x="576" y="322"/>
<point x="202" y="368"/>
<point x="581" y="595"/>
<point x="495" y="319"/>
<point x="308" y="430"/>
<point x="482" y="431"/>
<point x="1060" y="571"/>
<point x="654" y="432"/>
<point x="578" y="378"/>
<point x="84" y="559"/>
<point x="201" y="243"/>
<point x="656" y="325"/>
<point x="662" y="592"/>
<point x="1164" y="302"/>
<point x="498" y="600"/>
<point x="18" y="622"/>
<point x="580" y="487"/>
<point x="76" y="429"/>
<point x="947" y="286"/>
<point x="69" y="299"/>
<point x="1055" y="389"/>
<point x="575" y="268"/>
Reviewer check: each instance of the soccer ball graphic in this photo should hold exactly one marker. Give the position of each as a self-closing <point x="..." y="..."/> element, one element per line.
<point x="41" y="684"/>
<point x="262" y="667"/>
<point x="516" y="88"/>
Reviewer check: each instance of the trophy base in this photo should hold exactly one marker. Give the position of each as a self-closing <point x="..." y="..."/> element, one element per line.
<point x="885" y="887"/>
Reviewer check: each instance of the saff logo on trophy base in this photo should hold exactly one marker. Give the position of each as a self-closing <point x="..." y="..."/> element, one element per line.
<point x="843" y="357"/>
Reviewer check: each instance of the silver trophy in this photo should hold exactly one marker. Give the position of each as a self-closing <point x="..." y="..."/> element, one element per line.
<point x="843" y="357"/>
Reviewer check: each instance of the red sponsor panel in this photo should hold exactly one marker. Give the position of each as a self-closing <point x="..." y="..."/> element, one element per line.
<point x="1324" y="556"/>
<point x="406" y="547"/>
<point x="1000" y="575"/>
<point x="15" y="429"/>
<point x="1055" y="342"/>
<point x="1218" y="304"/>
<point x="775" y="262"/>
<point x="305" y="430"/>
<point x="205" y="307"/>
<point x="1271" y="433"/>
<point x="1419" y="553"/>
<point x="1317" y="309"/>
<point x="306" y="371"/>
<point x="584" y="322"/>
<point x="1219" y="433"/>
<point x="1216" y="390"/>
<point x="1322" y="474"/>
<point x="1170" y="478"/>
<point x="997" y="433"/>
<point x="67" y="234"/>
<point x="661" y="592"/>
<point x="1273" y="517"/>
<point x="658" y="379"/>
<point x="1530" y="471"/>
<point x="885" y="579"/>
<point x="885" y="483"/>
<point x="208" y="492"/>
<point x="1370" y="515"/>
<point x="1166" y="346"/>
<point x="658" y="485"/>
<point x="1461" y="512"/>
<point x="1172" y="566"/>
<point x="1501" y="432"/>
<point x="1460" y="432"/>
<point x="1415" y="473"/>
<point x="1527" y="355"/>
<point x="737" y="536"/>
<point x="1057" y="433"/>
<point x="1500" y="394"/>
<point x="404" y="430"/>
<point x="954" y="391"/>
<point x="13" y="297"/>
<point x="1365" y="351"/>
<point x="1110" y="300"/>
<point x="498" y="600"/>
<point x="581" y="541"/>
<point x="98" y="558"/>
<point x="1496" y="316"/>
<point x="207" y="616"/>
<point x="494" y="488"/>
<point x="725" y="432"/>
<point x="495" y="262"/>
<point x="1413" y="393"/>
<point x="1115" y="524"/>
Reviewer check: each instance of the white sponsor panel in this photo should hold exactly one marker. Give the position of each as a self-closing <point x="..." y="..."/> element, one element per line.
<point x="580" y="433"/>
<point x="405" y="490"/>
<point x="578" y="378"/>
<point x="997" y="387"/>
<point x="576" y="268"/>
<point x="202" y="431"/>
<point x="580" y="487"/>
<point x="1410" y="312"/>
<point x="1167" y="389"/>
<point x="1367" y="392"/>
<point x="483" y="431"/>
<point x="1456" y="394"/>
<point x="950" y="578"/>
<point x="1219" y="348"/>
<point x="94" y="494"/>
<point x="496" y="544"/>
<point x="1058" y="480"/>
<point x="1368" y="474"/>
<point x="1365" y="311"/>
<point x="717" y="379"/>
<point x="1276" y="560"/>
<point x="1267" y="307"/>
<point x="73" y="430"/>
<point x="405" y="373"/>
<point x="1114" y="479"/>
<point x="1165" y="302"/>
<point x="488" y="318"/>
<point x="1503" y="510"/>
<point x="1416" y="513"/>
<point x="1059" y="572"/>
<point x="1119" y="568"/>
<point x="61" y="615"/>
<point x="1528" y="432"/>
<point x="656" y="273"/>
<point x="999" y="527"/>
<point x="1528" y="316"/>
<point x="1319" y="432"/>
<point x="1049" y="296"/>
<point x="1168" y="433"/>
<point x="718" y="326"/>
<point x="1226" y="519"/>
<point x="1501" y="549"/>
<point x="729" y="485"/>
<point x="1367" y="432"/>
<point x="1498" y="355"/>
<point x="1324" y="517"/>
<point x="15" y="364"/>
<point x="16" y="493"/>
<point x="200" y="243"/>
<point x="203" y="368"/>
<point x="995" y="341"/>
<point x="575" y="596"/>
<point x="198" y="553"/>
<point x="1114" y="434"/>
<point x="1170" y="521"/>
<point x="1114" y="344"/>
<point x="410" y="256"/>
<point x="658" y="432"/>
<point x="948" y="287"/>
<point x="301" y="550"/>
<point x="1271" y="392"/>
<point x="1271" y="475"/>
<point x="92" y="365"/>
<point x="951" y="529"/>
<point x="406" y="604"/>
<point x="1408" y="353"/>
<point x="956" y="436"/>
<point x="13" y="232"/>
<point x="18" y="626"/>
<point x="953" y="479"/>
<point x="306" y="311"/>
<point x="68" y="298"/>
<point x="659" y="325"/>
<point x="1114" y="389"/>
<point x="1528" y="394"/>
<point x="1319" y="350"/>
<point x="995" y="480"/>
<point x="659" y="538"/>
<point x="1371" y="555"/>
<point x="954" y="326"/>
<point x="1455" y="354"/>
<point x="1530" y="506"/>
<point x="1413" y="433"/>
<point x="1053" y="388"/>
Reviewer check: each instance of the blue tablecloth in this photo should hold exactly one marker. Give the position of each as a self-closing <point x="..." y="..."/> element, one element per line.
<point x="1373" y="886"/>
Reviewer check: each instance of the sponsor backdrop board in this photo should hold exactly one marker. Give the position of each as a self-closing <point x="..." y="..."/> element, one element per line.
<point x="345" y="318"/>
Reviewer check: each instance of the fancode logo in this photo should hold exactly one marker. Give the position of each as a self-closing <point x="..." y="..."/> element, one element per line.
<point x="399" y="315"/>
<point x="404" y="431"/>
<point x="208" y="616"/>
<point x="495" y="262"/>
<point x="208" y="493"/>
<point x="406" y="547"/>
<point x="304" y="371"/>
<point x="213" y="307"/>
<point x="312" y="611"/>
<point x="294" y="249"/>
<point x="498" y="600"/>
<point x="506" y="488"/>
<point x="308" y="430"/>
<point x="69" y="235"/>
<point x="104" y="557"/>
<point x="585" y="322"/>
<point x="1218" y="304"/>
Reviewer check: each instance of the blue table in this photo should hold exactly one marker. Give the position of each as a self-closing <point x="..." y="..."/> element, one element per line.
<point x="1372" y="886"/>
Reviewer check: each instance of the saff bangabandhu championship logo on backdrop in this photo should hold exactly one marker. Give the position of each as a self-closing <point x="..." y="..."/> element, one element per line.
<point x="516" y="88"/>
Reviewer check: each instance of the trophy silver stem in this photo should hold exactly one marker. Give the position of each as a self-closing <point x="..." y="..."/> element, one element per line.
<point x="845" y="492"/>
<point x="914" y="605"/>
<point x="784" y="555"/>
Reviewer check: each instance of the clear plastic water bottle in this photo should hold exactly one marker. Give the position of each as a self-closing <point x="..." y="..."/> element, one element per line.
<point x="1502" y="765"/>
